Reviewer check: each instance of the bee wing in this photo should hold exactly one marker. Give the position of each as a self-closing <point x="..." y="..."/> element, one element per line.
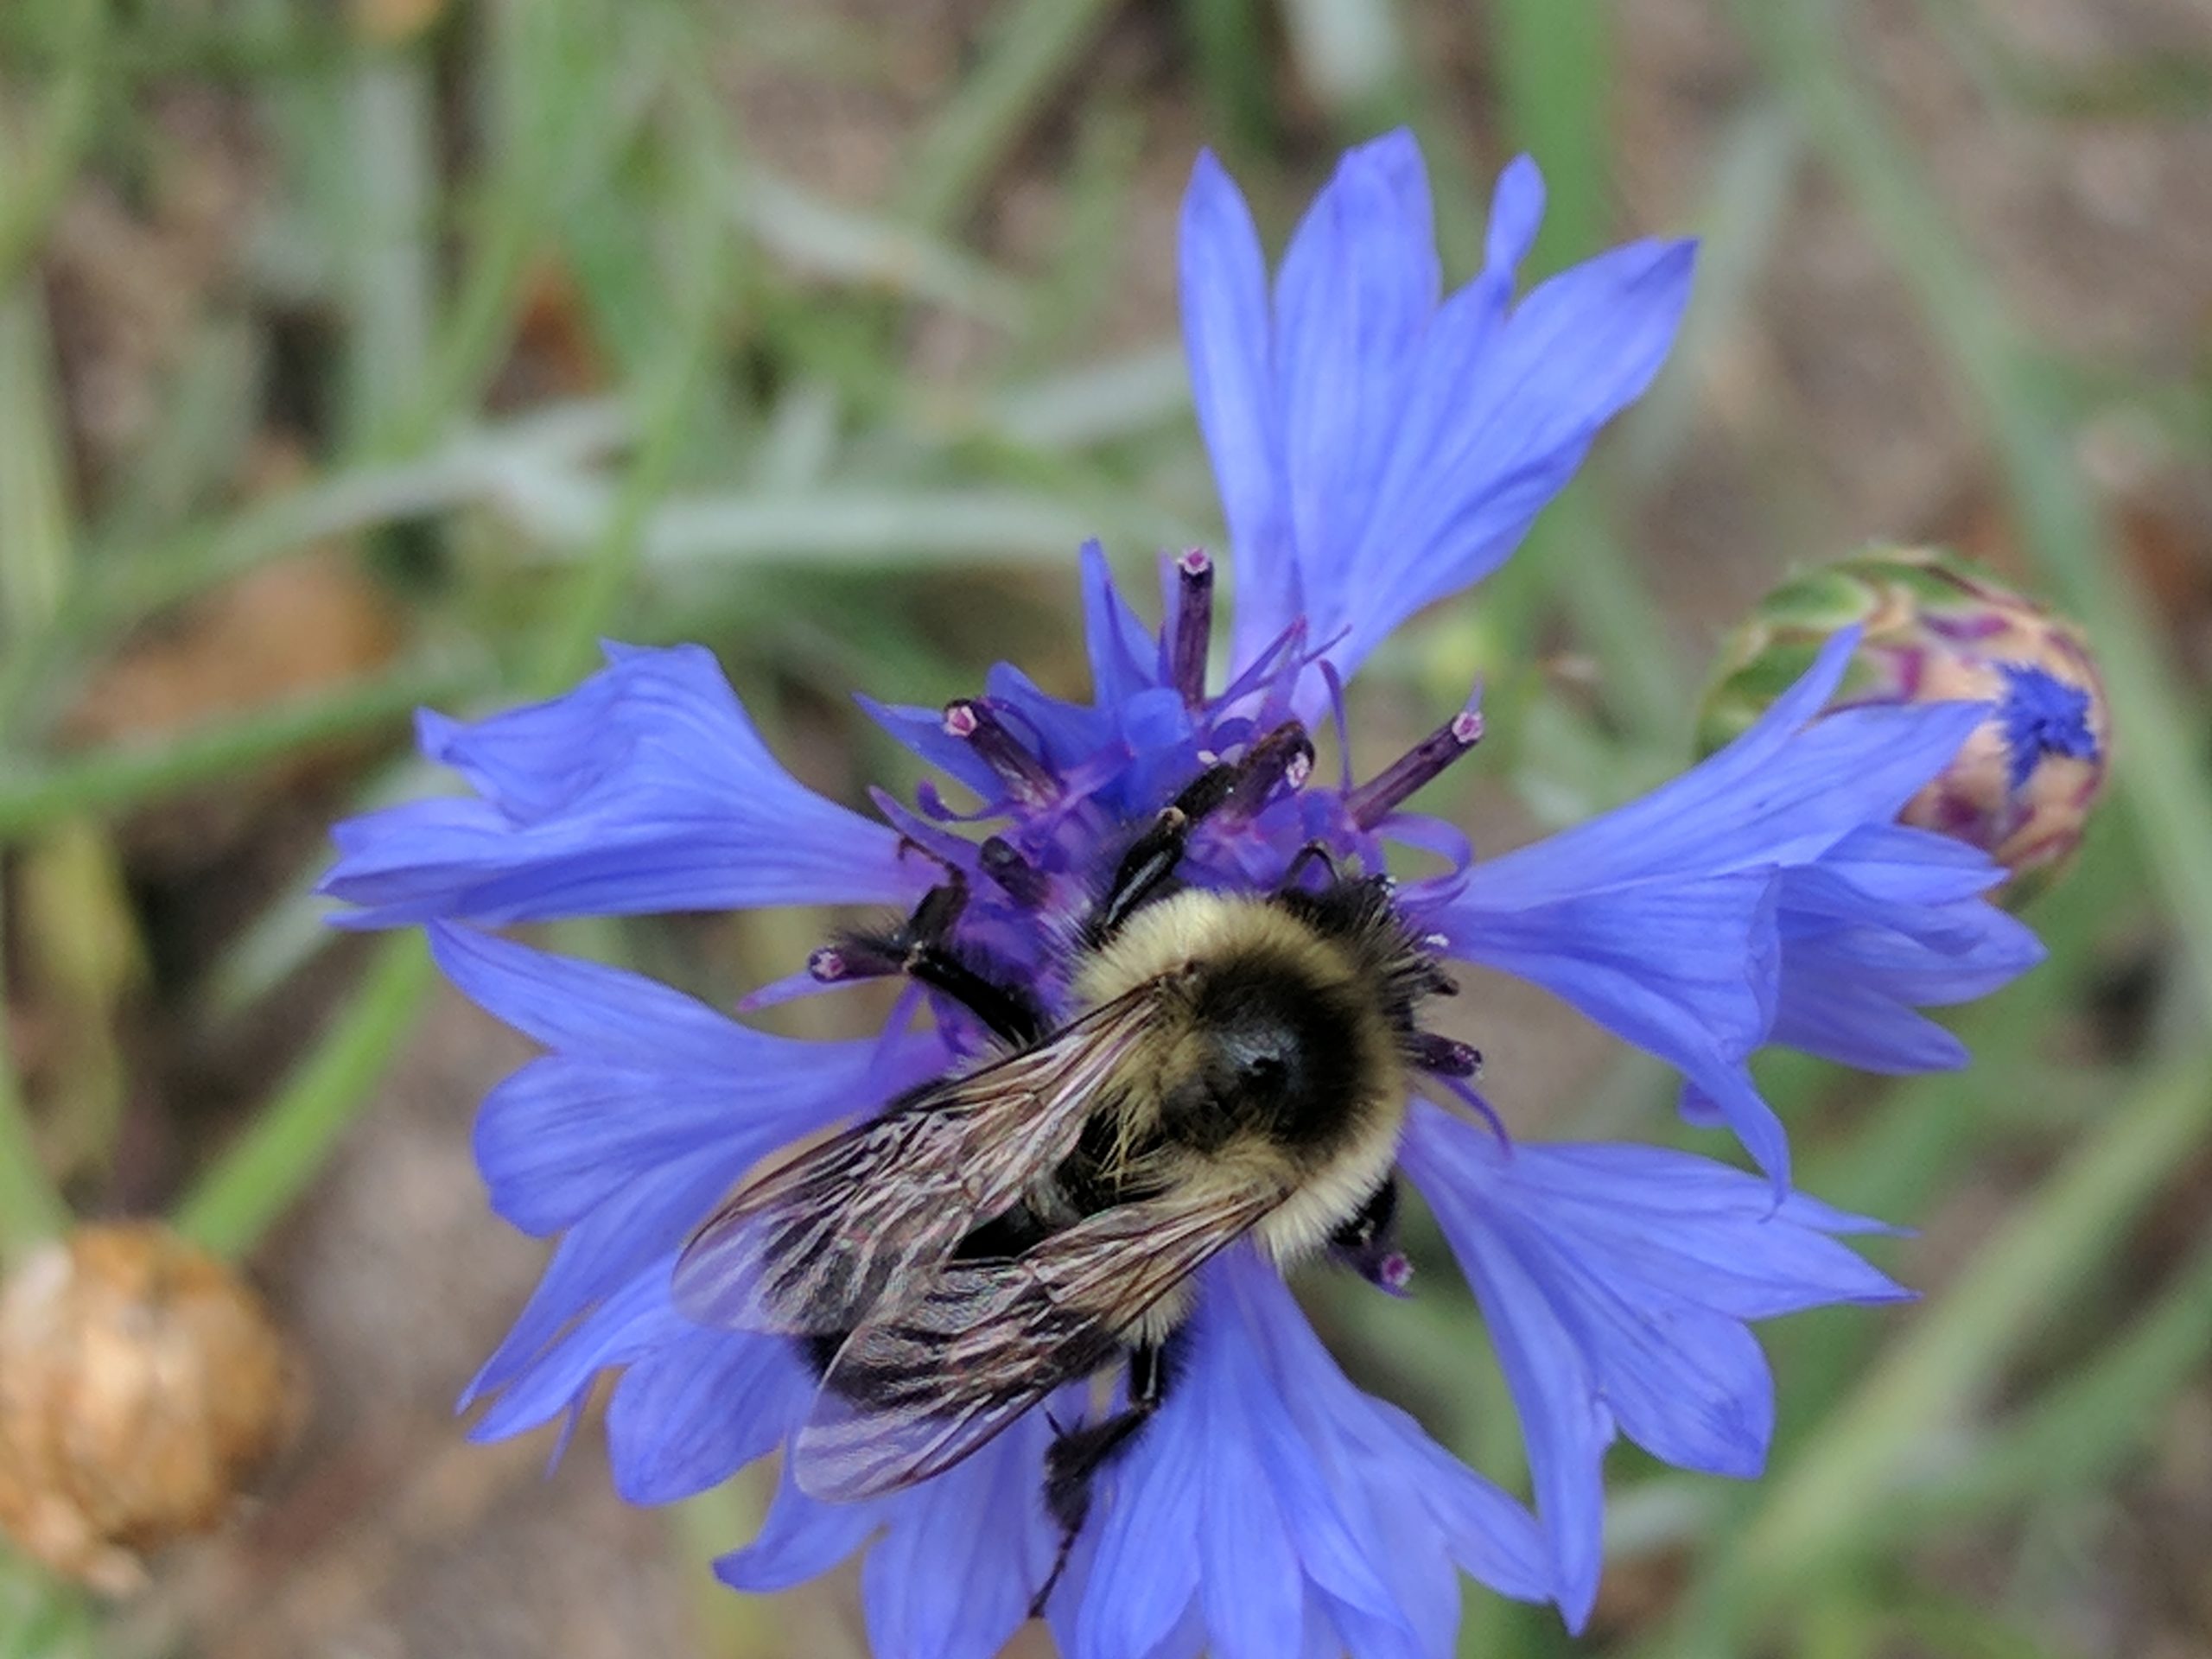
<point x="923" y="1384"/>
<point x="808" y="1247"/>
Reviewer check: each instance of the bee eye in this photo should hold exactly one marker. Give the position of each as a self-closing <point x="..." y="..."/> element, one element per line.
<point x="1262" y="1059"/>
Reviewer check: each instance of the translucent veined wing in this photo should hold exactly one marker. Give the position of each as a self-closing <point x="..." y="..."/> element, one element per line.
<point x="810" y="1247"/>
<point x="925" y="1383"/>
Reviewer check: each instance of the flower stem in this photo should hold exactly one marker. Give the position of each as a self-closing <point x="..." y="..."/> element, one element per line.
<point x="31" y="1211"/>
<point x="257" y="1178"/>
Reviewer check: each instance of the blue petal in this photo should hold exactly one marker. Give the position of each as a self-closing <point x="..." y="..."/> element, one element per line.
<point x="643" y="789"/>
<point x="1889" y="922"/>
<point x="1375" y="450"/>
<point x="641" y="1076"/>
<point x="700" y="1406"/>
<point x="574" y="1007"/>
<point x="1614" y="1281"/>
<point x="561" y="1137"/>
<point x="1063" y="733"/>
<point x="1360" y="283"/>
<point x="953" y="1575"/>
<point x="800" y="1540"/>
<point x="1516" y="213"/>
<point x="1301" y="1514"/>
<point x="1470" y="472"/>
<point x="1564" y="1421"/>
<point x="1683" y="971"/>
<point x="1660" y="920"/>
<point x="633" y="1320"/>
<point x="643" y="1223"/>
<point x="1124" y="654"/>
<point x="1226" y="338"/>
<point x="1248" y="1580"/>
<point x="1382" y="1466"/>
<point x="1146" y="1572"/>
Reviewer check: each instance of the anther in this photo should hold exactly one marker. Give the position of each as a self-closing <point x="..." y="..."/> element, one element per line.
<point x="1187" y="663"/>
<point x="1019" y="879"/>
<point x="976" y="726"/>
<point x="1374" y="800"/>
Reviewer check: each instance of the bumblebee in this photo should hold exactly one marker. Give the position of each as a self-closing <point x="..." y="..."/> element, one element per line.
<point x="1237" y="1064"/>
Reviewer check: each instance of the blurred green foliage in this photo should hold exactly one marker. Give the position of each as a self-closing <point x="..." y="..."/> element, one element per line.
<point x="743" y="429"/>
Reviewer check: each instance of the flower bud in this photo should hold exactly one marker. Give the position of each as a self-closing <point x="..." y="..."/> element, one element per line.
<point x="1939" y="629"/>
<point x="142" y="1385"/>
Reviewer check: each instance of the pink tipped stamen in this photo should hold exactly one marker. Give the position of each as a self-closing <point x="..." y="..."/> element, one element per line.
<point x="1394" y="1273"/>
<point x="976" y="725"/>
<point x="1376" y="798"/>
<point x="828" y="965"/>
<point x="1186" y="662"/>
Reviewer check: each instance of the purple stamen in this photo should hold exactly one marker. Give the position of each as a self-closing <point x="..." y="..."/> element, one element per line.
<point x="1394" y="1273"/>
<point x="1193" y="625"/>
<point x="974" y="724"/>
<point x="1376" y="800"/>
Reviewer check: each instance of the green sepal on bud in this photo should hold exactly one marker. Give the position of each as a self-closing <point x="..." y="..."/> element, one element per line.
<point x="1937" y="629"/>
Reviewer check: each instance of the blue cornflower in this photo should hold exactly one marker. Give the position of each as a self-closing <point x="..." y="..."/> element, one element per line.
<point x="1378" y="447"/>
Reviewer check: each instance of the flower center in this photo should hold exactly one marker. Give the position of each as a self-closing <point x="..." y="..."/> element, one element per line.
<point x="2043" y="714"/>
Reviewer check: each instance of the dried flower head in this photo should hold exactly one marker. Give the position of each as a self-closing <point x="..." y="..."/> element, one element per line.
<point x="143" y="1387"/>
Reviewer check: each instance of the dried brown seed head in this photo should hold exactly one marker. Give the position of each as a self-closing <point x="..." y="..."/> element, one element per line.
<point x="142" y="1386"/>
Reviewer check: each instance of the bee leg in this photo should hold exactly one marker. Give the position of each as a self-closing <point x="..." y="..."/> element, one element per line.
<point x="1373" y="1220"/>
<point x="1243" y="785"/>
<point x="930" y="959"/>
<point x="921" y="948"/>
<point x="1077" y="1455"/>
